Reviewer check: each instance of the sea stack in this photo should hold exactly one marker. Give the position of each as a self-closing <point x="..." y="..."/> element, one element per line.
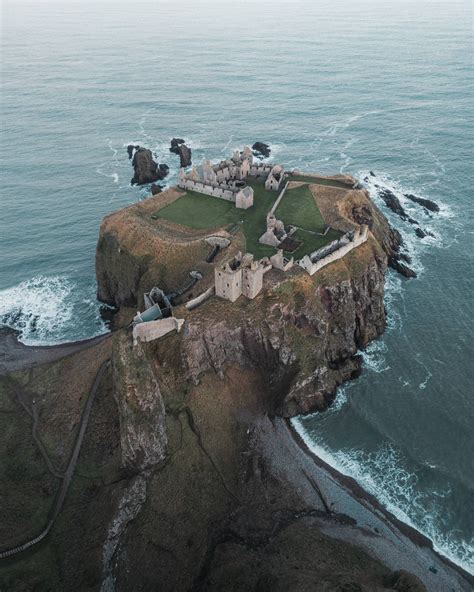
<point x="146" y="169"/>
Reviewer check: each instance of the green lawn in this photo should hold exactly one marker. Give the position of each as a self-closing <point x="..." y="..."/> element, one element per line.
<point x="299" y="208"/>
<point x="319" y="181"/>
<point x="312" y="242"/>
<point x="200" y="211"/>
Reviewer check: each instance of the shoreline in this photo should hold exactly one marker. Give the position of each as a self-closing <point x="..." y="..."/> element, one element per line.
<point x="353" y="487"/>
<point x="15" y="355"/>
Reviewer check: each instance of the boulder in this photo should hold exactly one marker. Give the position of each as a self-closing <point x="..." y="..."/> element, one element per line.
<point x="402" y="268"/>
<point x="155" y="189"/>
<point x="420" y="233"/>
<point x="261" y="150"/>
<point x="146" y="169"/>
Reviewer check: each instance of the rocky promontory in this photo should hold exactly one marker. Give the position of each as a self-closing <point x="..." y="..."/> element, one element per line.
<point x="191" y="476"/>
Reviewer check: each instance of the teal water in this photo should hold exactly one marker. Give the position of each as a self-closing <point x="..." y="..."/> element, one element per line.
<point x="332" y="86"/>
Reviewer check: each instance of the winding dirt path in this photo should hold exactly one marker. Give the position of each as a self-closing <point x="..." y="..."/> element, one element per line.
<point x="68" y="474"/>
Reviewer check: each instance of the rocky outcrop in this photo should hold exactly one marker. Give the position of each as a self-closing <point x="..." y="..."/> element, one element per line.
<point x="146" y="169"/>
<point x="422" y="201"/>
<point x="184" y="152"/>
<point x="261" y="150"/>
<point x="141" y="409"/>
<point x="155" y="189"/>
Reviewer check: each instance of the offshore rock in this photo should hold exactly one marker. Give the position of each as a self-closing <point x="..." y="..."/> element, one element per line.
<point x="393" y="203"/>
<point x="426" y="203"/>
<point x="179" y="147"/>
<point x="184" y="155"/>
<point x="261" y="150"/>
<point x="146" y="169"/>
<point x="131" y="149"/>
<point x="142" y="412"/>
<point x="175" y="142"/>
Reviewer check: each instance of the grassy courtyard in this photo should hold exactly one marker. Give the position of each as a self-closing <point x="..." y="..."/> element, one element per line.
<point x="297" y="208"/>
<point x="200" y="211"/>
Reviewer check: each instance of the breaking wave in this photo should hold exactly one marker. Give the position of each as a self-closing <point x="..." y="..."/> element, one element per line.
<point x="50" y="310"/>
<point x="384" y="474"/>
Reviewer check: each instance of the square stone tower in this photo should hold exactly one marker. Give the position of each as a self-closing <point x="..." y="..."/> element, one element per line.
<point x="228" y="279"/>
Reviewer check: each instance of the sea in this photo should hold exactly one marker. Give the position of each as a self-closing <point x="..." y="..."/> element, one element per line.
<point x="333" y="86"/>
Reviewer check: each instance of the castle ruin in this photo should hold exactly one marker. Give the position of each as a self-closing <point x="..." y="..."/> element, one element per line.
<point x="226" y="179"/>
<point x="240" y="275"/>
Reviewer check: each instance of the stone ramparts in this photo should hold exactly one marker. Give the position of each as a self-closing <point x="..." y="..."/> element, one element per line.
<point x="214" y="190"/>
<point x="334" y="251"/>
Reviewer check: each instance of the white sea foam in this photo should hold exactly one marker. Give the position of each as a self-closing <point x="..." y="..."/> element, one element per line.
<point x="37" y="307"/>
<point x="43" y="310"/>
<point x="383" y="473"/>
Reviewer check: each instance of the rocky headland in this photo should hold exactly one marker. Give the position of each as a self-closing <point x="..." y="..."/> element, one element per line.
<point x="191" y="476"/>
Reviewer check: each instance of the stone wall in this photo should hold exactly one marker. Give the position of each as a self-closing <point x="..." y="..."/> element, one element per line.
<point x="345" y="246"/>
<point x="195" y="302"/>
<point x="215" y="191"/>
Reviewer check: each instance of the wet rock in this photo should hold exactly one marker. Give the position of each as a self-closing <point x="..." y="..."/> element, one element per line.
<point x="402" y="268"/>
<point x="146" y="169"/>
<point x="261" y="150"/>
<point x="184" y="155"/>
<point x="420" y="233"/>
<point x="371" y="173"/>
<point x="175" y="142"/>
<point x="130" y="149"/>
<point x="184" y="152"/>
<point x="155" y="189"/>
<point x="393" y="203"/>
<point x="426" y="203"/>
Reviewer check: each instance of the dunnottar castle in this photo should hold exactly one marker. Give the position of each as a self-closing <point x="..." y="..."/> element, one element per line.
<point x="243" y="274"/>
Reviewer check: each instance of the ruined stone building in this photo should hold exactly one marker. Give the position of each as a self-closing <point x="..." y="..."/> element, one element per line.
<point x="240" y="275"/>
<point x="226" y="179"/>
<point x="275" y="178"/>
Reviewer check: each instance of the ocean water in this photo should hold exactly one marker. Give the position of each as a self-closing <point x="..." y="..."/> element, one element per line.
<point x="332" y="86"/>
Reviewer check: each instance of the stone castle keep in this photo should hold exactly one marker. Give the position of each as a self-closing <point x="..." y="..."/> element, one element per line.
<point x="226" y="179"/>
<point x="240" y="275"/>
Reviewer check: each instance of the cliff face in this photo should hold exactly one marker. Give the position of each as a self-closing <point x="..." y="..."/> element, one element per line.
<point x="302" y="335"/>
